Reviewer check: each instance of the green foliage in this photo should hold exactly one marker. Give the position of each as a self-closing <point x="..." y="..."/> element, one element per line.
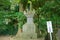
<point x="15" y="1"/>
<point x="8" y="23"/>
<point x="21" y="19"/>
<point x="12" y="27"/>
<point x="4" y="4"/>
<point x="24" y="2"/>
<point x="52" y="7"/>
<point x="48" y="12"/>
<point x="38" y="3"/>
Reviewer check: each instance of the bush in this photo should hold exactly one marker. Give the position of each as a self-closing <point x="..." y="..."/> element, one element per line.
<point x="40" y="19"/>
<point x="8" y="23"/>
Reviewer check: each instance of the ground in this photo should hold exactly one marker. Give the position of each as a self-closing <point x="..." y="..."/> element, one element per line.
<point x="10" y="38"/>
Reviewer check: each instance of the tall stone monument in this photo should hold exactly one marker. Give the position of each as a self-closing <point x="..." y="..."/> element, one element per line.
<point x="29" y="28"/>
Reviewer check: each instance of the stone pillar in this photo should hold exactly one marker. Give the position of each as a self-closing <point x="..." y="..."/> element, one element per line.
<point x="29" y="28"/>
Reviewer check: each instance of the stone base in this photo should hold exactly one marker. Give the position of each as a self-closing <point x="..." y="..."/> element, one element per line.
<point x="29" y="36"/>
<point x="29" y="31"/>
<point x="29" y="28"/>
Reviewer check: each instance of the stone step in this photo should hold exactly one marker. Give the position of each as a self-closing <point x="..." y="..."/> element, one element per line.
<point x="26" y="35"/>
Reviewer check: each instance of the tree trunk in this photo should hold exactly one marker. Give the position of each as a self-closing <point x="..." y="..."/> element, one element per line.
<point x="20" y="7"/>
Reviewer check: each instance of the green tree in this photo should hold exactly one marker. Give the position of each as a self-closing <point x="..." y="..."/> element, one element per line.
<point x="22" y="5"/>
<point x="4" y="4"/>
<point x="49" y="11"/>
<point x="8" y="23"/>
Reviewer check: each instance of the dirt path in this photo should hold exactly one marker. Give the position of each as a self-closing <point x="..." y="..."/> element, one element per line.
<point x="4" y="38"/>
<point x="10" y="38"/>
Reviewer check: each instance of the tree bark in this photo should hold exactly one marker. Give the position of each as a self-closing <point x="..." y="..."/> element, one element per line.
<point x="20" y="7"/>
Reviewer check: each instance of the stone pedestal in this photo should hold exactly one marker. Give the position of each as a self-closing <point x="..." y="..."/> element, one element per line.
<point x="29" y="28"/>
